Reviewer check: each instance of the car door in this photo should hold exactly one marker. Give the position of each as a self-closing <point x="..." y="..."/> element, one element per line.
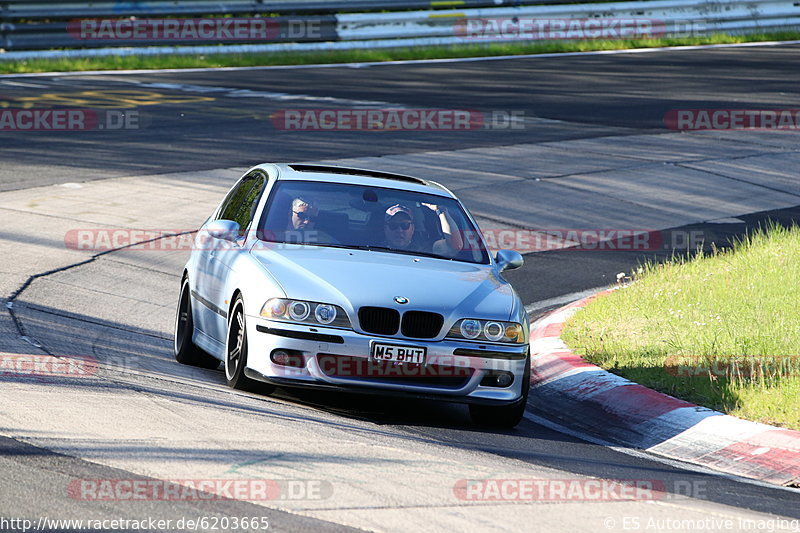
<point x="240" y="206"/>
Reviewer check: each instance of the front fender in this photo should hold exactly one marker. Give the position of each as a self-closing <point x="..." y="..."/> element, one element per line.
<point x="253" y="280"/>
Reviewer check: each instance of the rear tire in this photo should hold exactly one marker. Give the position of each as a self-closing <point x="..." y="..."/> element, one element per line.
<point x="236" y="352"/>
<point x="186" y="351"/>
<point x="504" y="416"/>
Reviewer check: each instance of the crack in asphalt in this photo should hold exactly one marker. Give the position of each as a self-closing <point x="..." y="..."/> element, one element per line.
<point x="17" y="293"/>
<point x="686" y="165"/>
<point x="70" y="316"/>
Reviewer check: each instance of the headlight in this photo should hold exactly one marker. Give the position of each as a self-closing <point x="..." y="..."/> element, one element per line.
<point x="325" y="314"/>
<point x="470" y="329"/>
<point x="302" y="312"/>
<point x="488" y="330"/>
<point x="493" y="331"/>
<point x="299" y="311"/>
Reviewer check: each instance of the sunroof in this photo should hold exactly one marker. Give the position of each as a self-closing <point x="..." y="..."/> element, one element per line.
<point x="356" y="172"/>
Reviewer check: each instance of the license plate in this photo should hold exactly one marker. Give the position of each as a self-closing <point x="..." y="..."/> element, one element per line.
<point x="398" y="353"/>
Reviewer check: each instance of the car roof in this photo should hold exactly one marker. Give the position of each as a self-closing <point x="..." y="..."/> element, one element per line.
<point x="356" y="176"/>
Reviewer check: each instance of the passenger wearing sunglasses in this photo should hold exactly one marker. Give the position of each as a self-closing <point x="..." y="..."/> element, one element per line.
<point x="399" y="231"/>
<point x="398" y="228"/>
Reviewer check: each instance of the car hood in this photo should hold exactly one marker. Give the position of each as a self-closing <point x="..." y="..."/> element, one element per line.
<point x="356" y="278"/>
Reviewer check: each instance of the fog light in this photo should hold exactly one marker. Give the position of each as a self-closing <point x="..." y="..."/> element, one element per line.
<point x="496" y="378"/>
<point x="285" y="358"/>
<point x="504" y="380"/>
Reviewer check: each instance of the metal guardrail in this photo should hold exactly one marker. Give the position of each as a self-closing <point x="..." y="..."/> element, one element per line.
<point x="66" y="34"/>
<point x="396" y="28"/>
<point x="61" y="9"/>
<point x="677" y="17"/>
<point x="45" y="24"/>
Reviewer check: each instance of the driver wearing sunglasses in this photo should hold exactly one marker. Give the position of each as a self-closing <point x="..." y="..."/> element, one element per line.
<point x="399" y="231"/>
<point x="304" y="214"/>
<point x="302" y="225"/>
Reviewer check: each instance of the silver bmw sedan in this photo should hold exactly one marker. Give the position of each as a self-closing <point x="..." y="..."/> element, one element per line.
<point x="358" y="280"/>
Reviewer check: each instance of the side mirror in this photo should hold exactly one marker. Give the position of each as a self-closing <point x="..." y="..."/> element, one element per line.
<point x="508" y="260"/>
<point x="223" y="229"/>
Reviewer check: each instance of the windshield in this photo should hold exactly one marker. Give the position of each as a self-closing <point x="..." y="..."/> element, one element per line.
<point x="371" y="218"/>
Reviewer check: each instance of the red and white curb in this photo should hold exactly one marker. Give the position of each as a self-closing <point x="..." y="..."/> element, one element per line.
<point x="584" y="397"/>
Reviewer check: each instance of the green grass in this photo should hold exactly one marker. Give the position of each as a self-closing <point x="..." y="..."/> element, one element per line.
<point x="733" y="317"/>
<point x="343" y="56"/>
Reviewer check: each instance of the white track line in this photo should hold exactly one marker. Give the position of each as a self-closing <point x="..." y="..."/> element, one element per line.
<point x="232" y="92"/>
<point x="641" y="454"/>
<point x="409" y="61"/>
<point x="561" y="300"/>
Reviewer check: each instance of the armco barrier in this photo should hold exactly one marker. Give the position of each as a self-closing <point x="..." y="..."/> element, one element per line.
<point x="61" y="9"/>
<point x="678" y="17"/>
<point x="27" y="26"/>
<point x="68" y="34"/>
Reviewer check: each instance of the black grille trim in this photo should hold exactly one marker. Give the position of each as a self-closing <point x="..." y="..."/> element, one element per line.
<point x="363" y="369"/>
<point x="422" y="324"/>
<point x="308" y="336"/>
<point x="379" y="320"/>
<point x="491" y="354"/>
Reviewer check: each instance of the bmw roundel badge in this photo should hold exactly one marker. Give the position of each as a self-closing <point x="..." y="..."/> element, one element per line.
<point x="401" y="299"/>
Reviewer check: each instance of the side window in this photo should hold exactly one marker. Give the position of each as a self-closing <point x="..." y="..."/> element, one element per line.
<point x="241" y="203"/>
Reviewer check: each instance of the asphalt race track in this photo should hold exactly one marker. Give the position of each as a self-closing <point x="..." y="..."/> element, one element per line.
<point x="589" y="150"/>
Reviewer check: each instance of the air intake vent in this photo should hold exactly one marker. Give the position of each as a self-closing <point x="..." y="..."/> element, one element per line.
<point x="379" y="320"/>
<point x="421" y="324"/>
<point x="362" y="369"/>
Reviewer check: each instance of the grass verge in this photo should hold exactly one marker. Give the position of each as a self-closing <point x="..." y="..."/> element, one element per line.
<point x="721" y="330"/>
<point x="369" y="55"/>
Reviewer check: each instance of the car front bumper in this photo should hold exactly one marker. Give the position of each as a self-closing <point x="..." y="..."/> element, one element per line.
<point x="339" y="359"/>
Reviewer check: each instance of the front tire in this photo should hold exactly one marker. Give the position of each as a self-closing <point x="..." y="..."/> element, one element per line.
<point x="236" y="352"/>
<point x="186" y="351"/>
<point x="505" y="416"/>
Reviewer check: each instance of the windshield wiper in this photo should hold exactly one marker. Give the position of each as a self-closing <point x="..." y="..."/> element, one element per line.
<point x="370" y="247"/>
<point x="367" y="247"/>
<point x="327" y="245"/>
